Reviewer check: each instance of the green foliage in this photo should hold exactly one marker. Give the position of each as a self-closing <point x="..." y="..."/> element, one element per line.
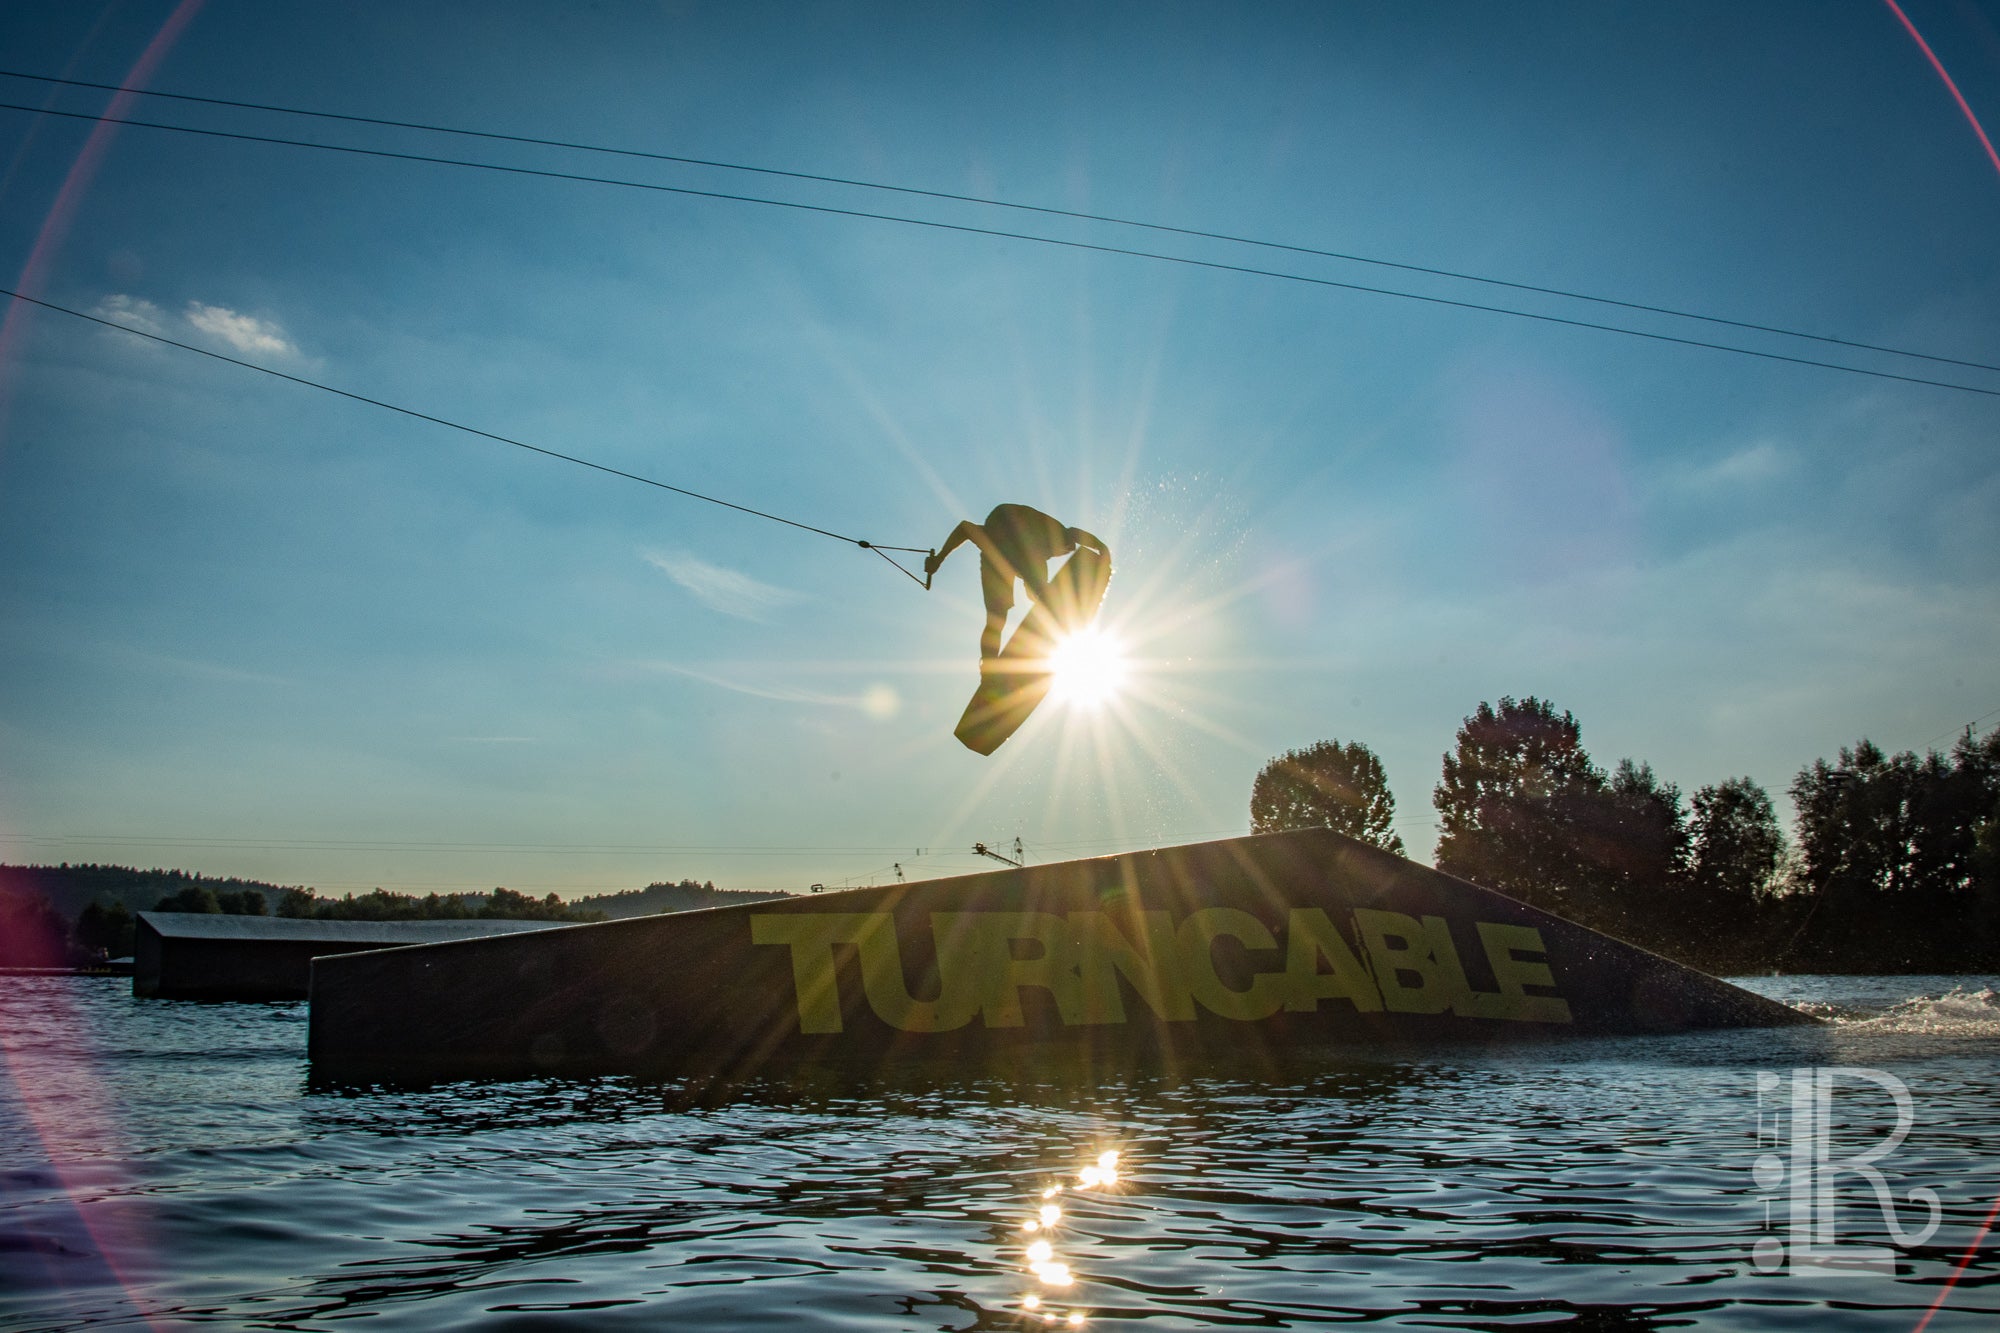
<point x="1525" y="811"/>
<point x="508" y="905"/>
<point x="105" y="930"/>
<point x="72" y="887"/>
<point x="296" y="903"/>
<point x="662" y="896"/>
<point x="1632" y="850"/>
<point x="1890" y="857"/>
<point x="32" y="932"/>
<point x="1735" y="845"/>
<point x="1897" y="866"/>
<point x="1516" y="800"/>
<point x="1327" y="785"/>
<point x="384" y="905"/>
<point x="201" y="898"/>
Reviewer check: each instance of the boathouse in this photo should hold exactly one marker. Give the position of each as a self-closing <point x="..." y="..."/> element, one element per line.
<point x="211" y="956"/>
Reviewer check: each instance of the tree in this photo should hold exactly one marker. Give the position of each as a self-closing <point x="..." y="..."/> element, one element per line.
<point x="1986" y="883"/>
<point x="297" y="902"/>
<point x="1890" y="858"/>
<point x="524" y="907"/>
<point x="1632" y="843"/>
<point x="1513" y="796"/>
<point x="32" y="932"/>
<point x="106" y="929"/>
<point x="196" y="898"/>
<point x="1855" y="822"/>
<point x="1735" y="845"/>
<point x="201" y="898"/>
<point x="1327" y="785"/>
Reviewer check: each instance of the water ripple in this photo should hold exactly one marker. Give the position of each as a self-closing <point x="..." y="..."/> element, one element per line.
<point x="176" y="1163"/>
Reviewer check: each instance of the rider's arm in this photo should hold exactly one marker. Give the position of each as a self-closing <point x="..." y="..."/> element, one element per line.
<point x="967" y="531"/>
<point x="1090" y="539"/>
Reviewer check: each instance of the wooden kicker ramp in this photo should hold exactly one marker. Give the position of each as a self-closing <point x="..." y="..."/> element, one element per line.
<point x="1256" y="947"/>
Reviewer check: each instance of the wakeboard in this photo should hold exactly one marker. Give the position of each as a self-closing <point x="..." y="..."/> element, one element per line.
<point x="1014" y="683"/>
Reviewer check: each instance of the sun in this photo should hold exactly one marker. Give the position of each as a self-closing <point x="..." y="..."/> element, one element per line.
<point x="1088" y="669"/>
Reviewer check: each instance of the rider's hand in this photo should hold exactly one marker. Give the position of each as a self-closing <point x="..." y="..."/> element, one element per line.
<point x="931" y="563"/>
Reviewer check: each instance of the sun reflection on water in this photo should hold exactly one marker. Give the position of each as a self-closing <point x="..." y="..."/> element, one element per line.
<point x="1039" y="1255"/>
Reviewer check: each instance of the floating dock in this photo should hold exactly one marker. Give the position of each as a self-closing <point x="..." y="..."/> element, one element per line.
<point x="211" y="956"/>
<point x="1254" y="947"/>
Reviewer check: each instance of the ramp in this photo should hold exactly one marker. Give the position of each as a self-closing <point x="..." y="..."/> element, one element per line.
<point x="1254" y="947"/>
<point x="210" y="956"/>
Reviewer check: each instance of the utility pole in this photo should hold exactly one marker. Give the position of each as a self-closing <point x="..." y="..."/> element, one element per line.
<point x="984" y="850"/>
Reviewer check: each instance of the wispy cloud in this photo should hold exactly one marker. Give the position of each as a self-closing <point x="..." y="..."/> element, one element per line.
<point x="249" y="335"/>
<point x="133" y="312"/>
<point x="879" y="701"/>
<point x="246" y="333"/>
<point x="1746" y="467"/>
<point x="197" y="669"/>
<point x="720" y="589"/>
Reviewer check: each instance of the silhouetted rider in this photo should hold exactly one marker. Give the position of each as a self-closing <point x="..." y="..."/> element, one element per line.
<point x="1014" y="542"/>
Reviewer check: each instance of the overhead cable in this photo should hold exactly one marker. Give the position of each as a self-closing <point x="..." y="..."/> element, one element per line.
<point x="988" y="202"/>
<point x="461" y="426"/>
<point x="967" y="229"/>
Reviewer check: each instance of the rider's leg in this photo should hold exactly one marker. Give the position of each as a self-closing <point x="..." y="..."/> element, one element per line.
<point x="996" y="585"/>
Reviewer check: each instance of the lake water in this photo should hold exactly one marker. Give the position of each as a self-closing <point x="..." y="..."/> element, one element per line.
<point x="167" y="1164"/>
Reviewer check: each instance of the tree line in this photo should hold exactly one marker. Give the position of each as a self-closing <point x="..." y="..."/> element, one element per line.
<point x="74" y="915"/>
<point x="1893" y="863"/>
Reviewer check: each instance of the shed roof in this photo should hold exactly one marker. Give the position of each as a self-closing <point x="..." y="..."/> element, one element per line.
<point x="225" y="926"/>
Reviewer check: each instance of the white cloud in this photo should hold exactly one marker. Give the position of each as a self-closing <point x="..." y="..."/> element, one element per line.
<point x="246" y="333"/>
<point x="133" y="312"/>
<point x="1746" y="467"/>
<point x="720" y="589"/>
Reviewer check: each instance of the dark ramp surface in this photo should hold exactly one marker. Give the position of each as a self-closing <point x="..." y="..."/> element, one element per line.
<point x="1247" y="948"/>
<point x="218" y="956"/>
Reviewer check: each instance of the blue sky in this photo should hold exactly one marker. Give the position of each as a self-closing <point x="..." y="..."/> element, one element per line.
<point x="248" y="628"/>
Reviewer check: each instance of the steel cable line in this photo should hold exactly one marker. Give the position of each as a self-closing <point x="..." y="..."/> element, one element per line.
<point x="985" y="202"/>
<point x="470" y="430"/>
<point x="1971" y="727"/>
<point x="969" y="230"/>
<point x="330" y="844"/>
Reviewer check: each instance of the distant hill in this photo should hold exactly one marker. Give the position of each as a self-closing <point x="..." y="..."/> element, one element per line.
<point x="71" y="888"/>
<point x="685" y="896"/>
<point x="54" y="916"/>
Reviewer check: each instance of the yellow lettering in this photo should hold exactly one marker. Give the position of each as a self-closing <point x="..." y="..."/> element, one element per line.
<point x="1514" y="974"/>
<point x="1309" y="937"/>
<point x="984" y="959"/>
<point x="1197" y="937"/>
<point x="889" y="991"/>
<point x="1152" y="963"/>
<point x="980" y="947"/>
<point x="1425" y="952"/>
<point x="811" y="937"/>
